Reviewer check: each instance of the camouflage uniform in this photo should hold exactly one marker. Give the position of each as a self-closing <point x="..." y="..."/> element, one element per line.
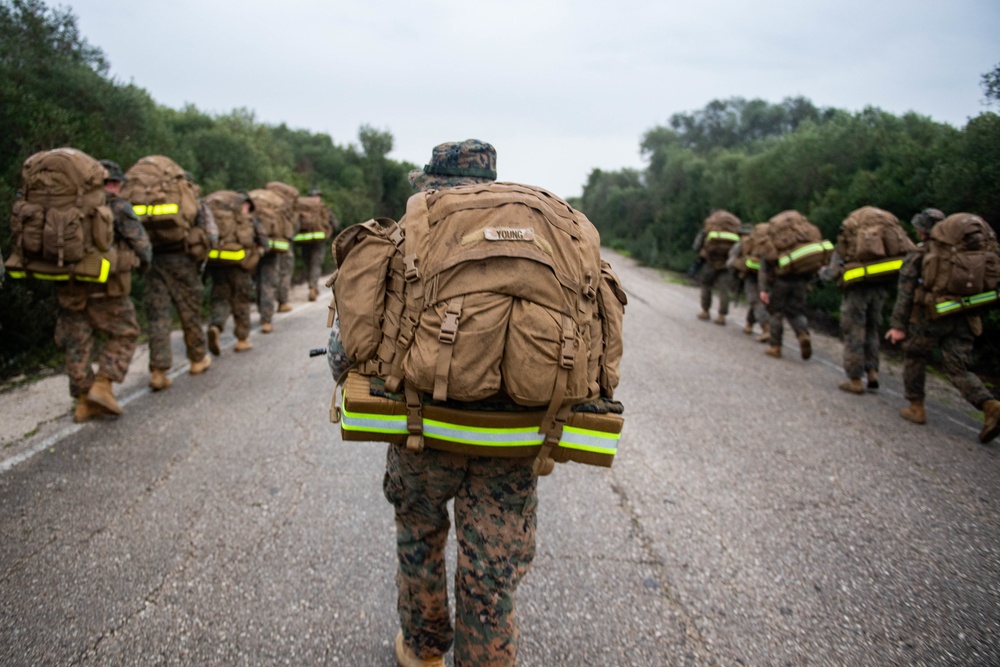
<point x="267" y="285"/>
<point x="175" y="278"/>
<point x="285" y="266"/>
<point x="714" y="274"/>
<point x="954" y="336"/>
<point x="86" y="307"/>
<point x="232" y="291"/>
<point x="860" y="316"/>
<point x="787" y="300"/>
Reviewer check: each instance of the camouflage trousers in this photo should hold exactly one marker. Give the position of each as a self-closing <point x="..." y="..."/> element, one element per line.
<point x="860" y="316"/>
<point x="286" y="266"/>
<point x="495" y="514"/>
<point x="312" y="258"/>
<point x="756" y="311"/>
<point x="954" y="337"/>
<point x="720" y="280"/>
<point x="112" y="316"/>
<point x="788" y="300"/>
<point x="267" y="286"/>
<point x="232" y="289"/>
<point x="173" y="279"/>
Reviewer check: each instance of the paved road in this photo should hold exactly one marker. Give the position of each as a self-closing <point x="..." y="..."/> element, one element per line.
<point x="754" y="516"/>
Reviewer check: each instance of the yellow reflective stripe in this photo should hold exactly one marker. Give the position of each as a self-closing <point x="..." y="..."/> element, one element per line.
<point x="878" y="268"/>
<point x="156" y="209"/>
<point x="725" y="236"/>
<point x="309" y="236"/>
<point x="372" y="423"/>
<point x="228" y="255"/>
<point x="587" y="440"/>
<point x="278" y="245"/>
<point x="854" y="274"/>
<point x="102" y="277"/>
<point x="975" y="300"/>
<point x="753" y="264"/>
<point x="804" y="251"/>
<point x="17" y="274"/>
<point x="526" y="436"/>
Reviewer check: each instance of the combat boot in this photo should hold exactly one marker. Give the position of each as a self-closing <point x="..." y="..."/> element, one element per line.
<point x="85" y="410"/>
<point x="704" y="315"/>
<point x="748" y="329"/>
<point x="991" y="421"/>
<point x="773" y="351"/>
<point x="914" y="412"/>
<point x="765" y="334"/>
<point x="284" y="308"/>
<point x="213" y="340"/>
<point x="199" y="367"/>
<point x="313" y="293"/>
<point x="872" y="380"/>
<point x="101" y="394"/>
<point x="242" y="345"/>
<point x="852" y="386"/>
<point x="405" y="657"/>
<point x="158" y="379"/>
<point x="805" y="345"/>
<point x="720" y="320"/>
<point x="266" y="327"/>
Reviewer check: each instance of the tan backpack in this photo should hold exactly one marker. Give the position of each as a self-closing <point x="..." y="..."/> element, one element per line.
<point x="722" y="231"/>
<point x="480" y="292"/>
<point x="314" y="221"/>
<point x="62" y="227"/>
<point x="274" y="214"/>
<point x="165" y="201"/>
<point x="798" y="247"/>
<point x="872" y="245"/>
<point x="961" y="266"/>
<point x="236" y="233"/>
<point x="753" y="247"/>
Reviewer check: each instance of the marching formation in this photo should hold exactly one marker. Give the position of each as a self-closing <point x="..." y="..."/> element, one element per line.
<point x="86" y="225"/>
<point x="943" y="283"/>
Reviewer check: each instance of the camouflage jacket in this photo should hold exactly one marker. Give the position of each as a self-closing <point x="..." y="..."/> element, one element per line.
<point x="909" y="282"/>
<point x="129" y="230"/>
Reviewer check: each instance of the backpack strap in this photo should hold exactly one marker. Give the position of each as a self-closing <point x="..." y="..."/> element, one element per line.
<point x="416" y="230"/>
<point x="558" y="411"/>
<point x="449" y="330"/>
<point x="414" y="419"/>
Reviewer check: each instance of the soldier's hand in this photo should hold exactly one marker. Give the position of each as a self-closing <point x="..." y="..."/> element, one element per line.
<point x="765" y="298"/>
<point x="895" y="335"/>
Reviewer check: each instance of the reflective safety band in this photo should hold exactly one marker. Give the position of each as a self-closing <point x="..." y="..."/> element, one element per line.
<point x="278" y="244"/>
<point x="228" y="255"/>
<point x="753" y="264"/>
<point x="587" y="440"/>
<point x="156" y="209"/>
<point x="17" y="274"/>
<point x="301" y="237"/>
<point x="102" y="275"/>
<point x="804" y="251"/>
<point x="973" y="301"/>
<point x="723" y="236"/>
<point x="878" y="268"/>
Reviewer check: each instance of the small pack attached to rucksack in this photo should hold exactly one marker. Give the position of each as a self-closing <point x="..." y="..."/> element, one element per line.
<point x="872" y="245"/>
<point x="960" y="269"/>
<point x="483" y="293"/>
<point x="62" y="227"/>
<point x="236" y="233"/>
<point x="798" y="247"/>
<point x="314" y="221"/>
<point x="272" y="209"/>
<point x="722" y="231"/>
<point x="165" y="201"/>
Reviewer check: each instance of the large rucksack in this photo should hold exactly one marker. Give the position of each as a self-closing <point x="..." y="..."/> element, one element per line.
<point x="798" y="247"/>
<point x="872" y="245"/>
<point x="753" y="247"/>
<point x="960" y="269"/>
<point x="314" y="221"/>
<point x="236" y="234"/>
<point x="480" y="292"/>
<point x="62" y="227"/>
<point x="722" y="231"/>
<point x="166" y="203"/>
<point x="272" y="209"/>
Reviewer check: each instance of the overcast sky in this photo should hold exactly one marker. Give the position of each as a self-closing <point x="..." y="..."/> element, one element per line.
<point x="560" y="87"/>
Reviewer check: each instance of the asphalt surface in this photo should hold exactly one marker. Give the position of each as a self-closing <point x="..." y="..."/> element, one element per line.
<point x="755" y="515"/>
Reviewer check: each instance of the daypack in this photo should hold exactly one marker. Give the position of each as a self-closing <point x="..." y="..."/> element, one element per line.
<point x="166" y="203"/>
<point x="960" y="269"/>
<point x="721" y="233"/>
<point x="483" y="293"/>
<point x="753" y="247"/>
<point x="872" y="245"/>
<point x="798" y="247"/>
<point x="274" y="214"/>
<point x="314" y="221"/>
<point x="236" y="233"/>
<point x="62" y="227"/>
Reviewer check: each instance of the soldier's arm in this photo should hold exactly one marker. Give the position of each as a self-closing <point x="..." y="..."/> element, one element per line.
<point x="909" y="280"/>
<point x="699" y="240"/>
<point x="129" y="228"/>
<point x="259" y="235"/>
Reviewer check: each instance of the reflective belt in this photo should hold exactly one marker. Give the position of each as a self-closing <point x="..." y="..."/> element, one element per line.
<point x="528" y="436"/>
<point x="753" y="264"/>
<point x="228" y="255"/>
<point x="101" y="277"/>
<point x="804" y="251"/>
<point x="974" y="301"/>
<point x="857" y="273"/>
<point x="155" y="209"/>
<point x="302" y="237"/>
<point x="278" y="244"/>
<point x="724" y="236"/>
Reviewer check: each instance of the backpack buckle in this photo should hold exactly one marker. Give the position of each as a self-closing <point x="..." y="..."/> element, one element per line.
<point x="449" y="325"/>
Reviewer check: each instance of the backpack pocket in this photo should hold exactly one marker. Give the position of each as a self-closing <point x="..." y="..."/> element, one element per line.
<point x="359" y="288"/>
<point x="27" y="223"/>
<point x="102" y="228"/>
<point x="611" y="301"/>
<point x="62" y="236"/>
<point x="968" y="270"/>
<point x="533" y="355"/>
<point x="196" y="244"/>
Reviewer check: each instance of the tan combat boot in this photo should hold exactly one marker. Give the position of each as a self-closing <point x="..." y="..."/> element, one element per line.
<point x="852" y="386"/>
<point x="242" y="345"/>
<point x="748" y="329"/>
<point x="101" y="394"/>
<point x="266" y="327"/>
<point x="85" y="410"/>
<point x="773" y="351"/>
<point x="704" y="315"/>
<point x="805" y="345"/>
<point x="720" y="320"/>
<point x="407" y="658"/>
<point x="213" y="340"/>
<point x="991" y="421"/>
<point x="313" y="293"/>
<point x="914" y="412"/>
<point x="872" y="380"/>
<point x="765" y="334"/>
<point x="199" y="367"/>
<point x="284" y="308"/>
<point x="158" y="379"/>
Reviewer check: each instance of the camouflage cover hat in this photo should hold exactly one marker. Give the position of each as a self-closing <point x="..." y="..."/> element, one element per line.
<point x="115" y="172"/>
<point x="457" y="163"/>
<point x="926" y="219"/>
